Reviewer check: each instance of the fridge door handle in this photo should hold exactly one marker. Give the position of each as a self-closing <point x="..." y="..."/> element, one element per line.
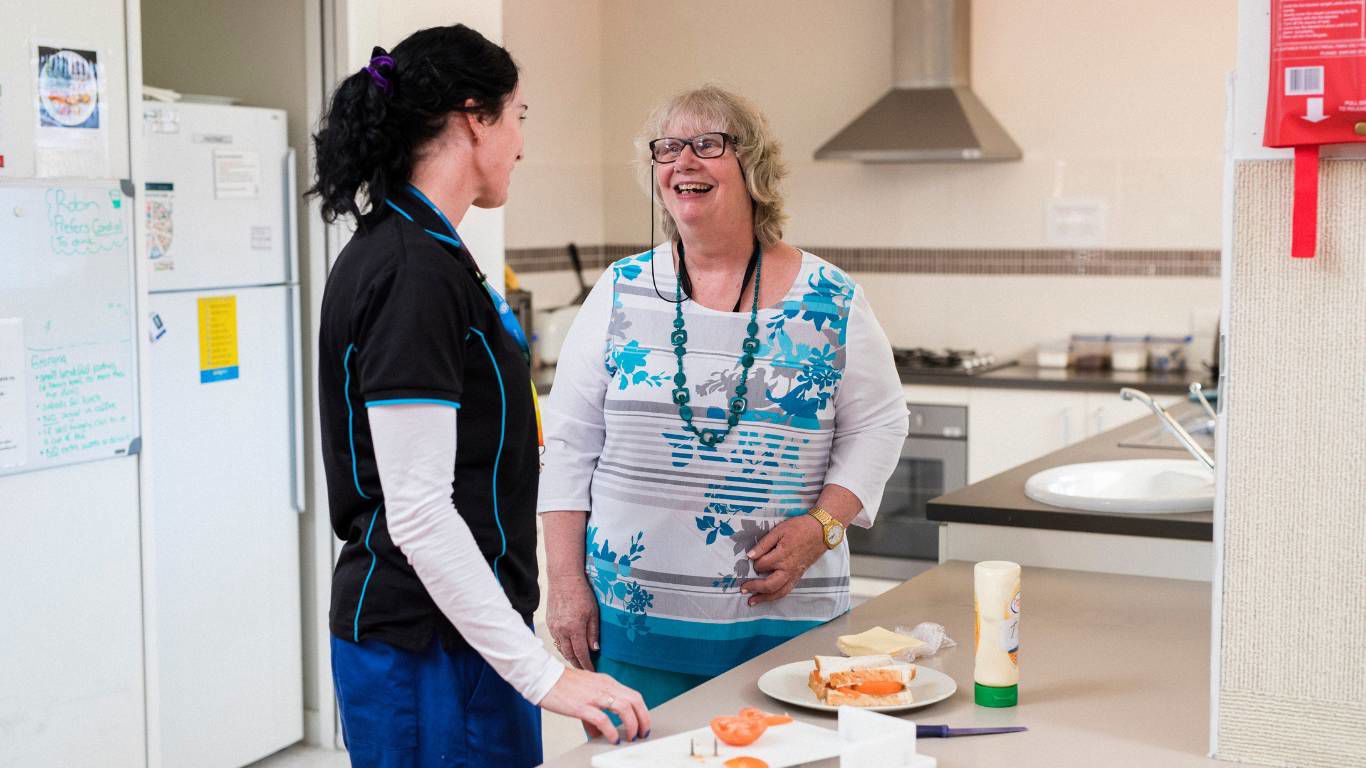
<point x="291" y="219"/>
<point x="296" y="401"/>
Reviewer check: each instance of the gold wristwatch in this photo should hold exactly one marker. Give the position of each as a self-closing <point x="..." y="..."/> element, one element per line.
<point x="832" y="528"/>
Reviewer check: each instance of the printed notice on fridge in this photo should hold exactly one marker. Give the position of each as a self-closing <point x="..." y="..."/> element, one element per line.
<point x="217" y="339"/>
<point x="13" y="409"/>
<point x="236" y="174"/>
<point x="160" y="225"/>
<point x="72" y="135"/>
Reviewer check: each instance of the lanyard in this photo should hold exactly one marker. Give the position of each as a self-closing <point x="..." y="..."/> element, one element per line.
<point x="505" y="314"/>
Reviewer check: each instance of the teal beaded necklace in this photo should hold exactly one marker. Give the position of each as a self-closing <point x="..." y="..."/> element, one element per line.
<point x="679" y="338"/>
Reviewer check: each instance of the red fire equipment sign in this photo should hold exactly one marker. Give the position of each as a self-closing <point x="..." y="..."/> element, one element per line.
<point x="1317" y="93"/>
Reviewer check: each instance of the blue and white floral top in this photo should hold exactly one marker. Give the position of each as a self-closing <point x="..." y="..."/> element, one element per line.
<point x="670" y="520"/>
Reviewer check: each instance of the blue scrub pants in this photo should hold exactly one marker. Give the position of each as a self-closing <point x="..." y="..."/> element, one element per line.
<point x="432" y="709"/>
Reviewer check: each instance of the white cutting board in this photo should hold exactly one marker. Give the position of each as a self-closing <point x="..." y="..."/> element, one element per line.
<point x="781" y="745"/>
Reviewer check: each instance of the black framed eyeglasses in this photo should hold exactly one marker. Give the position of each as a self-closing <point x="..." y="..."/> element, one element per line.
<point x="707" y="145"/>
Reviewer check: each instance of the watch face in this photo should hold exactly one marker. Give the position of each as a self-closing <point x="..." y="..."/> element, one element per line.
<point x="834" y="535"/>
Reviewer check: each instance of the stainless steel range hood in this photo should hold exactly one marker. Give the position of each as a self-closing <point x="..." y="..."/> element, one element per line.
<point x="931" y="114"/>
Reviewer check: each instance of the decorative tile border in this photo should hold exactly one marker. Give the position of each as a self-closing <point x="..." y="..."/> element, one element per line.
<point x="971" y="261"/>
<point x="594" y="258"/>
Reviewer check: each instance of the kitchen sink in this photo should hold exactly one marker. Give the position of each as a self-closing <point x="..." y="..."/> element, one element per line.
<point x="1142" y="486"/>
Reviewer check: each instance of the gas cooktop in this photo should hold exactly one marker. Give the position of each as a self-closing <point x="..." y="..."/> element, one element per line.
<point x="946" y="361"/>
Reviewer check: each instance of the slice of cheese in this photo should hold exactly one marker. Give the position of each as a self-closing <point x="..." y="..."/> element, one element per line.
<point x="876" y="641"/>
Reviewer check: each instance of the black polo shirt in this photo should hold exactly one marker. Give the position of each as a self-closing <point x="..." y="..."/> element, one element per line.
<point x="404" y="318"/>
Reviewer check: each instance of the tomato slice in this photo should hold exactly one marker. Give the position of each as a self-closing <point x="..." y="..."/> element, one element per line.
<point x="745" y="761"/>
<point x="738" y="731"/>
<point x="878" y="688"/>
<point x="769" y="718"/>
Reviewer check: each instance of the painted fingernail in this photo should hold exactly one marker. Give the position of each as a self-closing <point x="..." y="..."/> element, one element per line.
<point x="646" y="736"/>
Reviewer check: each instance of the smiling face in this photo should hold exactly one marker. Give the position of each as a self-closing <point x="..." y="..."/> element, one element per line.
<point x="701" y="192"/>
<point x="497" y="153"/>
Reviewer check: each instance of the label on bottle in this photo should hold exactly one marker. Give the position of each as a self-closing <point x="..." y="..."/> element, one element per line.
<point x="1010" y="630"/>
<point x="996" y="630"/>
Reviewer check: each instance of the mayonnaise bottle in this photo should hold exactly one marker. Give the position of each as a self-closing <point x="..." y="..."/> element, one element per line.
<point x="996" y="603"/>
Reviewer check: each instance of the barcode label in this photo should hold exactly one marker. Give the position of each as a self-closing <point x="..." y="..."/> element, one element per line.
<point x="1303" y="81"/>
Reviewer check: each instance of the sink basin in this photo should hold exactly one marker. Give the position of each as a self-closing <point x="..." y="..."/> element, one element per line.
<point x="1134" y="485"/>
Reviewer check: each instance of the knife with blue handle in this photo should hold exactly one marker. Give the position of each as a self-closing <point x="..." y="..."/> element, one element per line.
<point x="944" y="732"/>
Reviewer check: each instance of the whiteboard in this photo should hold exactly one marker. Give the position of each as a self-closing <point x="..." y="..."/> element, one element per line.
<point x="68" y="370"/>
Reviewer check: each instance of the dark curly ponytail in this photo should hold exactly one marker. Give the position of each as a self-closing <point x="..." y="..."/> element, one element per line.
<point x="381" y="116"/>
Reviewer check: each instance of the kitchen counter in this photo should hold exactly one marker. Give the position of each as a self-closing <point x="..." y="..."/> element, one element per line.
<point x="1001" y="500"/>
<point x="1114" y="672"/>
<point x="1031" y="377"/>
<point x="1015" y="377"/>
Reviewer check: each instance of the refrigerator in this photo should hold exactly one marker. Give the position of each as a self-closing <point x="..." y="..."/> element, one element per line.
<point x="223" y="440"/>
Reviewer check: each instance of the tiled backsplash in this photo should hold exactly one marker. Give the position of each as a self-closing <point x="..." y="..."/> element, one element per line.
<point x="943" y="261"/>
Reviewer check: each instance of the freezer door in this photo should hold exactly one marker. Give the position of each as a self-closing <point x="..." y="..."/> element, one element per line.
<point x="215" y="196"/>
<point x="224" y="629"/>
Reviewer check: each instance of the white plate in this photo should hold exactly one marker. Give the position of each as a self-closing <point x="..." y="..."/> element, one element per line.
<point x="788" y="684"/>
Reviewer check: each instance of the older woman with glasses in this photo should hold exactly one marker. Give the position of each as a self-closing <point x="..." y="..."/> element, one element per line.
<point x="725" y="404"/>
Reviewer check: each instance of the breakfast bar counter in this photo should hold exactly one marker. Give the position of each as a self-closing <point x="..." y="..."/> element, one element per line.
<point x="1114" y="671"/>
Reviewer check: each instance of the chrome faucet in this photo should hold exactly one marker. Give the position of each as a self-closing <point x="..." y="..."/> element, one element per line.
<point x="1187" y="441"/>
<point x="1198" y="392"/>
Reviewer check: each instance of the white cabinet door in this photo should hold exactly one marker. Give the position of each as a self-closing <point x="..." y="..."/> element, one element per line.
<point x="937" y="395"/>
<point x="1007" y="427"/>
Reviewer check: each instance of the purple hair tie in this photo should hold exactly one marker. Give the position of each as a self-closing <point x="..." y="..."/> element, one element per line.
<point x="380" y="59"/>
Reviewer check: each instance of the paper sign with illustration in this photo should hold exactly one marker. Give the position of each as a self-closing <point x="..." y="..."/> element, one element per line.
<point x="68" y="88"/>
<point x="160" y="224"/>
<point x="72" y="133"/>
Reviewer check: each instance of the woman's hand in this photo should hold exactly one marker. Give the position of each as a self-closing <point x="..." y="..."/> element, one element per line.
<point x="572" y="615"/>
<point x="584" y="695"/>
<point x="782" y="556"/>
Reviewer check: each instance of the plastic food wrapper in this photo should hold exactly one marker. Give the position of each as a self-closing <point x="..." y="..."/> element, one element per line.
<point x="934" y="637"/>
<point x="904" y="644"/>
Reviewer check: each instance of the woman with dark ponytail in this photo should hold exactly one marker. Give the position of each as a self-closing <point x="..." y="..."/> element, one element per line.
<point x="433" y="657"/>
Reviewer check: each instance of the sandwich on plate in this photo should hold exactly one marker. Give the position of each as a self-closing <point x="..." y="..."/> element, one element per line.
<point x="862" y="681"/>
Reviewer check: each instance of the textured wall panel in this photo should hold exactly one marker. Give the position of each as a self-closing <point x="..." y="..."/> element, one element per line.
<point x="1293" y="645"/>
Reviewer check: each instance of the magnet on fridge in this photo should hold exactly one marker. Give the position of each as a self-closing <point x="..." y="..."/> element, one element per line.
<point x="158" y="328"/>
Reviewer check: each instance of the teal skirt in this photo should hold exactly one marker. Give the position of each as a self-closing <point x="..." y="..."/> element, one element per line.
<point x="656" y="686"/>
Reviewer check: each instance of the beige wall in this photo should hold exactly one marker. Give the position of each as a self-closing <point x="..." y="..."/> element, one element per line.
<point x="1120" y="102"/>
<point x="557" y="193"/>
<point x="1116" y="102"/>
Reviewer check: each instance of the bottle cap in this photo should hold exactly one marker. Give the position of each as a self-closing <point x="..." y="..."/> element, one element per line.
<point x="989" y="696"/>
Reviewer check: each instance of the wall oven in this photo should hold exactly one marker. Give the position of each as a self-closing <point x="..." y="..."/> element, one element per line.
<point x="934" y="461"/>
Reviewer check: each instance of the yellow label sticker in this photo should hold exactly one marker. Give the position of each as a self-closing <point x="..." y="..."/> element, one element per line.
<point x="217" y="339"/>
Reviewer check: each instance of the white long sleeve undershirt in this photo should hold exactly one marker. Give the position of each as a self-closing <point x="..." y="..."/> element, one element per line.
<point x="415" y="451"/>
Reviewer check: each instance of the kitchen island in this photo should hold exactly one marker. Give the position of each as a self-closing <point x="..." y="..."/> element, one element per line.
<point x="1114" y="672"/>
<point x="994" y="519"/>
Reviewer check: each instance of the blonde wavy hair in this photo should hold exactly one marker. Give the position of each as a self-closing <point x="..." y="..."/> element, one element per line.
<point x="759" y="153"/>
